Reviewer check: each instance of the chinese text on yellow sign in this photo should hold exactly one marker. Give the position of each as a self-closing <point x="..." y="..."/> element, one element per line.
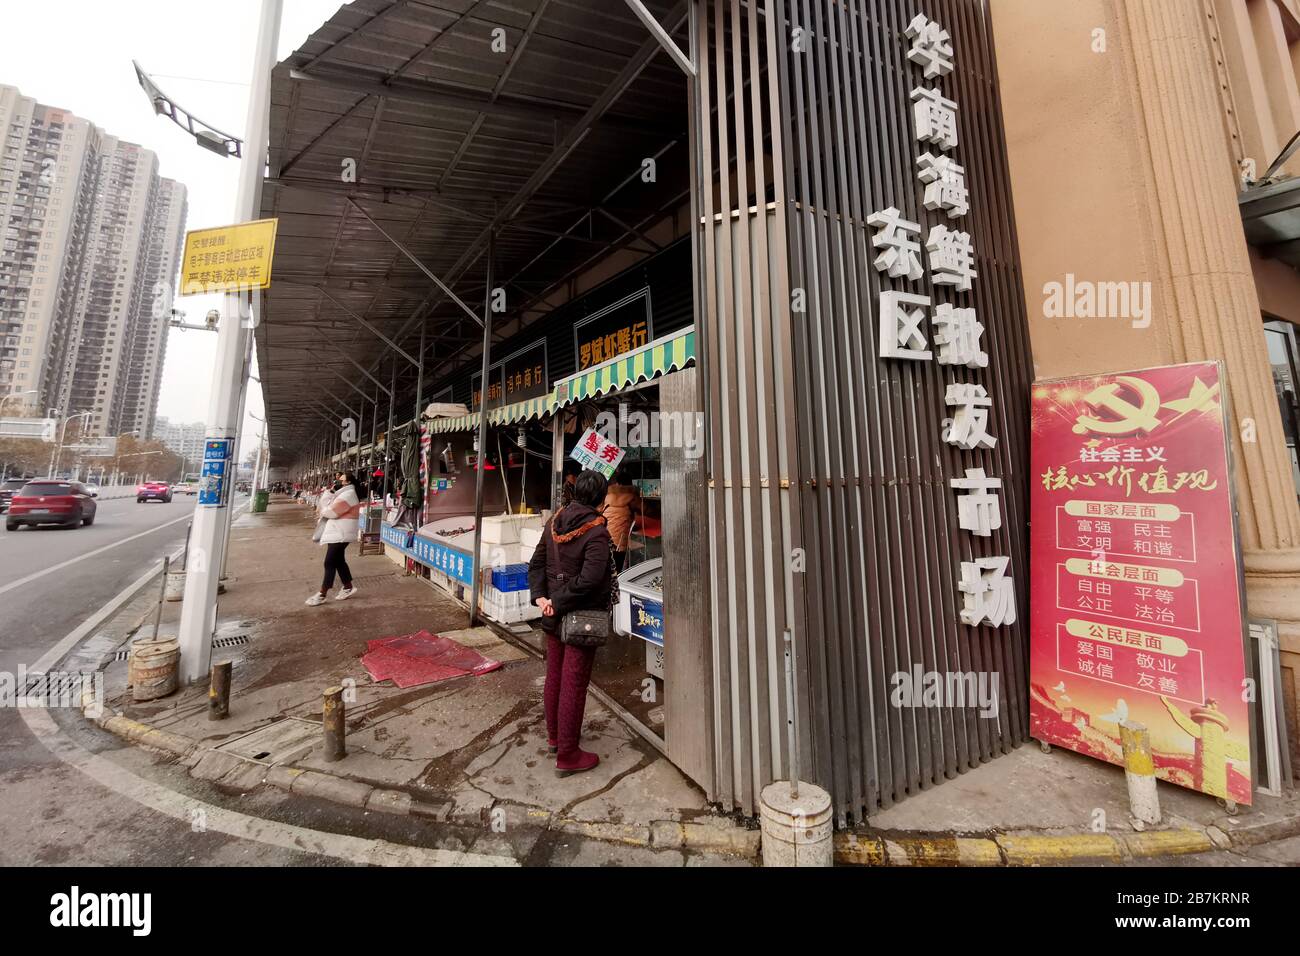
<point x="229" y="258"/>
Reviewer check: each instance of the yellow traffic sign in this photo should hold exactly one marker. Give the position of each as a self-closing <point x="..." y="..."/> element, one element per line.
<point x="229" y="258"/>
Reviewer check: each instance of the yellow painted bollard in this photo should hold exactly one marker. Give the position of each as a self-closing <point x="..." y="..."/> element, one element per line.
<point x="1140" y="774"/>
<point x="332" y="724"/>
<point x="219" y="692"/>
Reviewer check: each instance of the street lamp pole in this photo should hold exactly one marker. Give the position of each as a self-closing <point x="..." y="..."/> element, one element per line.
<point x="63" y="433"/>
<point x="229" y="380"/>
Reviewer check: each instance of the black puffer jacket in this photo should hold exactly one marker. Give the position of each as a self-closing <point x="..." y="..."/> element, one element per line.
<point x="584" y="576"/>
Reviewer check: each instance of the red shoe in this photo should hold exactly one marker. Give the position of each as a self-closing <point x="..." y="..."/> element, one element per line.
<point x="575" y="762"/>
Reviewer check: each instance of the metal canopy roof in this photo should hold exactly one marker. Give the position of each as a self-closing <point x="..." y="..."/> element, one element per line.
<point x="1271" y="217"/>
<point x="451" y="140"/>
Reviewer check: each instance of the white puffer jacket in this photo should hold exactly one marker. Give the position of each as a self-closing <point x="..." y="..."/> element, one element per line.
<point x="342" y="511"/>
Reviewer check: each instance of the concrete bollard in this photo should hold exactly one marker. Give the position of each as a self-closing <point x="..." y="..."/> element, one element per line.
<point x="797" y="831"/>
<point x="219" y="691"/>
<point x="1140" y="774"/>
<point x="332" y="723"/>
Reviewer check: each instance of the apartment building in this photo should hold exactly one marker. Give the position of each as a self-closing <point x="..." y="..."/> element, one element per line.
<point x="91" y="238"/>
<point x="184" y="439"/>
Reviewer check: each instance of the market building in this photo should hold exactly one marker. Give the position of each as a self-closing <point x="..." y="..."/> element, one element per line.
<point x="785" y="258"/>
<point x="1164" y="135"/>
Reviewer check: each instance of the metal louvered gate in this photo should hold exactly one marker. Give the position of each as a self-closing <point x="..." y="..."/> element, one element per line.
<point x="828" y="504"/>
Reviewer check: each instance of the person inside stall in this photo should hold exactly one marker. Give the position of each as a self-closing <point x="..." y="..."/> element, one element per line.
<point x="571" y="571"/>
<point x="571" y="471"/>
<point x="622" y="504"/>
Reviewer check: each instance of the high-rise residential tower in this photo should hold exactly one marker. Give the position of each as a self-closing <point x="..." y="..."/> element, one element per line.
<point x="88" y="254"/>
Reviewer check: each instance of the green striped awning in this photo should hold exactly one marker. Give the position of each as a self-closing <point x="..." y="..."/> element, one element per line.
<point x="461" y="423"/>
<point x="664" y="355"/>
<point x="523" y="411"/>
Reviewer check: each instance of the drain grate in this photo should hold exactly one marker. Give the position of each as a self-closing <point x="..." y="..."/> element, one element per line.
<point x="389" y="576"/>
<point x="52" y="685"/>
<point x="283" y="741"/>
<point x="233" y="641"/>
<point x="122" y="655"/>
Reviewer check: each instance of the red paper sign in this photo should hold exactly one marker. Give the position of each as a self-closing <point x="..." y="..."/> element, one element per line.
<point x="1136" y="607"/>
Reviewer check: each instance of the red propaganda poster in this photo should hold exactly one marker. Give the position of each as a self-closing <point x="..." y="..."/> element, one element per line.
<point x="1136" y="604"/>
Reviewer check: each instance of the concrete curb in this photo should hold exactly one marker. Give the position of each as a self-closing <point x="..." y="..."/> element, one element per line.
<point x="1006" y="849"/>
<point x="851" y="849"/>
<point x="219" y="767"/>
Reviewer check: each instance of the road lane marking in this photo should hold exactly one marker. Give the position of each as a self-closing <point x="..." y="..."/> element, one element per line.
<point x="90" y="554"/>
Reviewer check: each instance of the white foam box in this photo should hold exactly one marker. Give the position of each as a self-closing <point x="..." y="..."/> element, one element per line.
<point x="500" y="529"/>
<point x="529" y="539"/>
<point x="505" y="529"/>
<point x="492" y="555"/>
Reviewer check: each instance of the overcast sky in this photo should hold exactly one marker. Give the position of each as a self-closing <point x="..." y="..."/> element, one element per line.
<point x="76" y="54"/>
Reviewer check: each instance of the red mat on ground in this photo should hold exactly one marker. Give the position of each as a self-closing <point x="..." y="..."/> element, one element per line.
<point x="422" y="658"/>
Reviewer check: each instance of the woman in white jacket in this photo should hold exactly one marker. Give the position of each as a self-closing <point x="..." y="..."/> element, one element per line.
<point x="341" y="512"/>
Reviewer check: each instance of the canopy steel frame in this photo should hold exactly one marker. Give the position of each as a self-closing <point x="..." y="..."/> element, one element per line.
<point x="446" y="290"/>
<point x="661" y="35"/>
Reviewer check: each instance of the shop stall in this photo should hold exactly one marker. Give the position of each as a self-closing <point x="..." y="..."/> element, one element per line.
<point x="619" y="402"/>
<point x="439" y="543"/>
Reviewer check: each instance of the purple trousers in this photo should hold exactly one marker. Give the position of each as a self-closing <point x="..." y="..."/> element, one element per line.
<point x="568" y="670"/>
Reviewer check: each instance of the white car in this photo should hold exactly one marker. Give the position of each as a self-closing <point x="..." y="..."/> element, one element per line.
<point x="183" y="488"/>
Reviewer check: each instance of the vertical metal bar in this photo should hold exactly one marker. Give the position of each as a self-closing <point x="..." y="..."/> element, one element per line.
<point x="162" y="596"/>
<point x="374" y="440"/>
<point x="791" y="720"/>
<point x="789" y="368"/>
<point x="480" y="457"/>
<point x="388" y="434"/>
<point x="710" y="317"/>
<point x="752" y="636"/>
<point x="415" y="421"/>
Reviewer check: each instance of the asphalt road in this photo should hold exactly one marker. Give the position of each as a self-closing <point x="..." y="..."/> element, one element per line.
<point x="52" y="579"/>
<point x="73" y="794"/>
<point x="54" y="811"/>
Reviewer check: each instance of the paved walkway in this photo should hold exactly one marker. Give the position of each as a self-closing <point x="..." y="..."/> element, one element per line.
<point x="472" y="751"/>
<point x="466" y="750"/>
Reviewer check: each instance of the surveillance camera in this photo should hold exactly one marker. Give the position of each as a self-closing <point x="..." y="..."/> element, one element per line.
<point x="211" y="319"/>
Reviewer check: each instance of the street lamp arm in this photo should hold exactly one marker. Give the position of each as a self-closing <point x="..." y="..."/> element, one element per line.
<point x="207" y="135"/>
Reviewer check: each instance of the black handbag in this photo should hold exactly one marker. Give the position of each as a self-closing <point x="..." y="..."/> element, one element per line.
<point x="585" y="628"/>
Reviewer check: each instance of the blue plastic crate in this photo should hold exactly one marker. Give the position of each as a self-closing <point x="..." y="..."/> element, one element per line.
<point x="513" y="577"/>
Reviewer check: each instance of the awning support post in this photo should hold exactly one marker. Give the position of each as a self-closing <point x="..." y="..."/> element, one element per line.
<point x="480" y="454"/>
<point x="388" y="435"/>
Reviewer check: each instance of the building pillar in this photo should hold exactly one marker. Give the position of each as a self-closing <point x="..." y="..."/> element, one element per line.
<point x="1205" y="270"/>
<point x="1121" y="100"/>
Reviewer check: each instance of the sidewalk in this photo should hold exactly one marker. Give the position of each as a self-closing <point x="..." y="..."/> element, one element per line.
<point x="1030" y="807"/>
<point x="469" y="750"/>
<point x="472" y="750"/>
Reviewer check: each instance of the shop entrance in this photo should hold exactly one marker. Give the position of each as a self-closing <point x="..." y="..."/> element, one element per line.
<point x="656" y="669"/>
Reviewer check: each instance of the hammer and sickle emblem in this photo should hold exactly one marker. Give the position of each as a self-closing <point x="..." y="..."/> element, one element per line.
<point x="1131" y="418"/>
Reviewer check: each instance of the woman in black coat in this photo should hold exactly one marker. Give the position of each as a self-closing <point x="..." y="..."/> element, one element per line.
<point x="570" y="571"/>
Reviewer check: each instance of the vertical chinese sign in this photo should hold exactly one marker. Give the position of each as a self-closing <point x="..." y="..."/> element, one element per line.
<point x="1136" y="599"/>
<point x="987" y="586"/>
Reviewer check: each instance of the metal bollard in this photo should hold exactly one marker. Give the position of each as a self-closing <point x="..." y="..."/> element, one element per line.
<point x="1140" y="774"/>
<point x="332" y="724"/>
<point x="219" y="691"/>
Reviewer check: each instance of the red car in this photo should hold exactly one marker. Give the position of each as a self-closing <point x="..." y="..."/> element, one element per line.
<point x="50" y="501"/>
<point x="153" y="491"/>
